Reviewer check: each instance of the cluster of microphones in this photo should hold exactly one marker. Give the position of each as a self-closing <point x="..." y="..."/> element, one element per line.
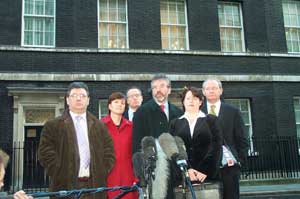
<point x="144" y="162"/>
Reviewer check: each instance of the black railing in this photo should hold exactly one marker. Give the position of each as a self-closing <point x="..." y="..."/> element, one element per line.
<point x="273" y="157"/>
<point x="269" y="158"/>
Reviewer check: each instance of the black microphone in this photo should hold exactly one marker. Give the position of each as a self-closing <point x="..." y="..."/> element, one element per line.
<point x="149" y="147"/>
<point x="150" y="157"/>
<point x="182" y="157"/>
<point x="168" y="145"/>
<point x="138" y="167"/>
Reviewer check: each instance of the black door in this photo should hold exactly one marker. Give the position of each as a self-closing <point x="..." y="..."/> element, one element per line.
<point x="33" y="173"/>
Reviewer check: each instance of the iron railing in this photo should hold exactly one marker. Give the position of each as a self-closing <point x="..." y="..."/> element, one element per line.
<point x="274" y="157"/>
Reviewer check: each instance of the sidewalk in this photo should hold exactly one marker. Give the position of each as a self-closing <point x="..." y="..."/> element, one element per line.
<point x="282" y="191"/>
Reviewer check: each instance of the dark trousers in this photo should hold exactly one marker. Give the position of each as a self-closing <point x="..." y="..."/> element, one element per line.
<point x="230" y="177"/>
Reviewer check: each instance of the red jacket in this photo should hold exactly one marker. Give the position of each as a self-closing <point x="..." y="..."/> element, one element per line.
<point x="122" y="173"/>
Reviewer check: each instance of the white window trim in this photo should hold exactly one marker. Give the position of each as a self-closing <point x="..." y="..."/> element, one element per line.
<point x="119" y="22"/>
<point x="292" y="27"/>
<point x="236" y="27"/>
<point x="43" y="16"/>
<point x="186" y="28"/>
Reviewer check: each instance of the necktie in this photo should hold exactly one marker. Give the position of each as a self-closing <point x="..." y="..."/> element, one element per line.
<point x="83" y="146"/>
<point x="212" y="110"/>
<point x="162" y="107"/>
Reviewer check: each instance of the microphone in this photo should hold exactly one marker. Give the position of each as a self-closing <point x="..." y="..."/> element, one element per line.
<point x="149" y="147"/>
<point x="168" y="144"/>
<point x="150" y="157"/>
<point x="138" y="167"/>
<point x="182" y="156"/>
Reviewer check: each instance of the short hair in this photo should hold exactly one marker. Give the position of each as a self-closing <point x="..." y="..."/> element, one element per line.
<point x="218" y="82"/>
<point x="114" y="96"/>
<point x="133" y="87"/>
<point x="196" y="93"/>
<point x="161" y="77"/>
<point x="77" y="85"/>
<point x="4" y="158"/>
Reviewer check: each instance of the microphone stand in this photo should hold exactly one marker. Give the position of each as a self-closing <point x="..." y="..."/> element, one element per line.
<point x="186" y="178"/>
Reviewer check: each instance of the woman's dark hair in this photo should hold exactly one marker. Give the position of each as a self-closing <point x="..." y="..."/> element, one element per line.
<point x="196" y="93"/>
<point x="114" y="96"/>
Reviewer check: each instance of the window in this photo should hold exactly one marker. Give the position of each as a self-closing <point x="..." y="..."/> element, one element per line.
<point x="38" y="25"/>
<point x="297" y="114"/>
<point x="112" y="24"/>
<point x="173" y="25"/>
<point x="291" y="15"/>
<point x="244" y="106"/>
<point x="103" y="110"/>
<point x="231" y="27"/>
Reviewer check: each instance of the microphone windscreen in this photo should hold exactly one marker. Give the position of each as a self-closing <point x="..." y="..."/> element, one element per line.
<point x="181" y="147"/>
<point x="138" y="165"/>
<point x="149" y="147"/>
<point x="168" y="144"/>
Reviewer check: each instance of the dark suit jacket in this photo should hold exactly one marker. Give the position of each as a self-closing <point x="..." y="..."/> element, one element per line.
<point x="233" y="130"/>
<point x="58" y="153"/>
<point x="125" y="114"/>
<point x="150" y="120"/>
<point x="204" y="148"/>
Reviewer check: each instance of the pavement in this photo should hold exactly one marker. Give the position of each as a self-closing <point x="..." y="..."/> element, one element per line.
<point x="274" y="191"/>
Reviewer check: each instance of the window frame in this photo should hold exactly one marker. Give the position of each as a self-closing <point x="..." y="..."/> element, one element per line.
<point x="176" y="25"/>
<point x="33" y="16"/>
<point x="112" y="22"/>
<point x="243" y="44"/>
<point x="288" y="28"/>
<point x="251" y="151"/>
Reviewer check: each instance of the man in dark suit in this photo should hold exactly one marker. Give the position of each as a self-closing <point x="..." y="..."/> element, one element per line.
<point x="235" y="138"/>
<point x="134" y="101"/>
<point x="76" y="149"/>
<point x="152" y="119"/>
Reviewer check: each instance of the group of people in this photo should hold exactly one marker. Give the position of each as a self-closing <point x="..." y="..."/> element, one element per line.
<point x="79" y="151"/>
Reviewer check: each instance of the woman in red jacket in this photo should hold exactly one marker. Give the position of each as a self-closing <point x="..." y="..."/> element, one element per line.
<point x="120" y="130"/>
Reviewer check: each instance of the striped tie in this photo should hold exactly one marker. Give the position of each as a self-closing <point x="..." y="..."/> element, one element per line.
<point x="212" y="110"/>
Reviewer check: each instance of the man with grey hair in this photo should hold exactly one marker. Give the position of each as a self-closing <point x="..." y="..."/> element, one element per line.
<point x="235" y="138"/>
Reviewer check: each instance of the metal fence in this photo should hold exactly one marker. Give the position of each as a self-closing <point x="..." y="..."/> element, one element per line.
<point x="274" y="157"/>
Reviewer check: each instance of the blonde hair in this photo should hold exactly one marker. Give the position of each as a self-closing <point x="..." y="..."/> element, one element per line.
<point x="4" y="158"/>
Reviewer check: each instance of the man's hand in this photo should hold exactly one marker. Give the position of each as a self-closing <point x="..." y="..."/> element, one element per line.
<point x="196" y="175"/>
<point x="21" y="195"/>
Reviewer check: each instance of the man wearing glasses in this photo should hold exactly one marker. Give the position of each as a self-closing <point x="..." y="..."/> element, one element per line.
<point x="76" y="149"/>
<point x="134" y="101"/>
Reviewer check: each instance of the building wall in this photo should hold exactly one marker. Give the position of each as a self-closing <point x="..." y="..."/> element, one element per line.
<point x="76" y="53"/>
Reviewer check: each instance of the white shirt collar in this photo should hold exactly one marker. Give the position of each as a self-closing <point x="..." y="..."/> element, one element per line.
<point x="73" y="115"/>
<point x="200" y="114"/>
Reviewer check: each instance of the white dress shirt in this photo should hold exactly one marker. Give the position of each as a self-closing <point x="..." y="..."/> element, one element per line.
<point x="192" y="124"/>
<point x="83" y="172"/>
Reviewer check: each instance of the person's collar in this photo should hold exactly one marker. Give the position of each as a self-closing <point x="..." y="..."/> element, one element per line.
<point x="200" y="114"/>
<point x="73" y="115"/>
<point x="217" y="104"/>
<point x="130" y="110"/>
